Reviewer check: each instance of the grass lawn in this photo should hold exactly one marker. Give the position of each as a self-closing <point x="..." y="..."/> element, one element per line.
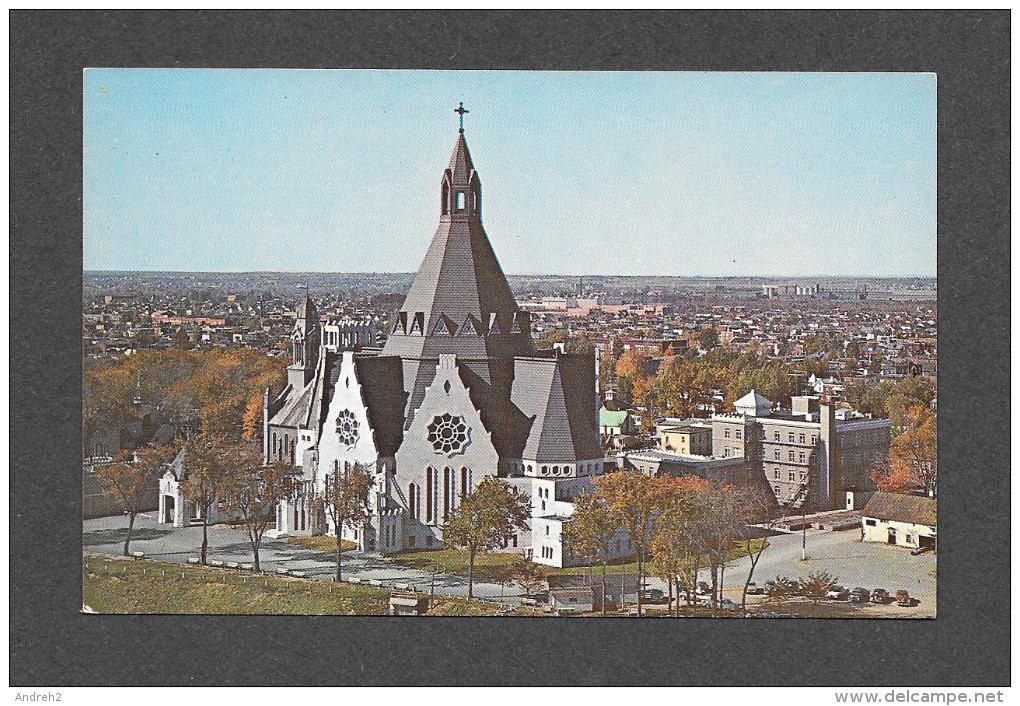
<point x="117" y="585"/>
<point x="487" y="566"/>
<point x="321" y="543"/>
<point x="455" y="561"/>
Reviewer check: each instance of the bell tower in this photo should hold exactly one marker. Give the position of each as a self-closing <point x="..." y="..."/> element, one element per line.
<point x="305" y="342"/>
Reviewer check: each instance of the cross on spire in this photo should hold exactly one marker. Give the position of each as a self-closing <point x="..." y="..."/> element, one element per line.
<point x="461" y="110"/>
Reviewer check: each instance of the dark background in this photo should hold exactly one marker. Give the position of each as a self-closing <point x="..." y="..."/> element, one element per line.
<point x="51" y="643"/>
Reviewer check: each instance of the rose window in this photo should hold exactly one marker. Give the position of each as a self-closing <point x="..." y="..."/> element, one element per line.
<point x="448" y="434"/>
<point x="347" y="428"/>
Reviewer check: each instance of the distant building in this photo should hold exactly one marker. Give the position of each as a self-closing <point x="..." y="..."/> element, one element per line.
<point x="689" y="439"/>
<point x="810" y="455"/>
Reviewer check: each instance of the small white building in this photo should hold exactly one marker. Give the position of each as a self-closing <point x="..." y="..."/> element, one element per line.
<point x="903" y="520"/>
<point x="572" y="599"/>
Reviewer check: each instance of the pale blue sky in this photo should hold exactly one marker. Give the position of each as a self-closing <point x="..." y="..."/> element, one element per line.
<point x="602" y="173"/>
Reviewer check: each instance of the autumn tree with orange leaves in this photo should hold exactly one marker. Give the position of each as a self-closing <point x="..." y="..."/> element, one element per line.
<point x="131" y="478"/>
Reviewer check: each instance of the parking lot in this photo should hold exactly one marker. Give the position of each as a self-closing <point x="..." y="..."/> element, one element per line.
<point x="850" y="561"/>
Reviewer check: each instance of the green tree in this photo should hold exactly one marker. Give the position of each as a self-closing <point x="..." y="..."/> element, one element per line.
<point x="486" y="519"/>
<point x="253" y="490"/>
<point x="181" y="341"/>
<point x="345" y="496"/>
<point x="590" y="531"/>
<point x="708" y="338"/>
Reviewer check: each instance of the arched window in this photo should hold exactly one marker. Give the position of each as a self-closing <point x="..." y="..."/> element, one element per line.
<point x="446" y="198"/>
<point x="430" y="491"/>
<point x="447" y="494"/>
<point x="413" y="501"/>
<point x="465" y="482"/>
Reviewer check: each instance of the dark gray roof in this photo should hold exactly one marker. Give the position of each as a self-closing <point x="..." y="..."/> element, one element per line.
<point x="307" y="312"/>
<point x="902" y="508"/>
<point x="382" y="392"/>
<point x="559" y="394"/>
<point x="459" y="301"/>
<point x="294" y="412"/>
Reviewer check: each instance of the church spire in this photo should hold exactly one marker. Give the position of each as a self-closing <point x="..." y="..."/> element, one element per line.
<point x="461" y="197"/>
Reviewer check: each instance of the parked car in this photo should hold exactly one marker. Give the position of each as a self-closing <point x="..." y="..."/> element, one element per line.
<point x="860" y="595"/>
<point x="653" y="595"/>
<point x="769" y="587"/>
<point x="838" y="593"/>
<point x="904" y="600"/>
<point x="880" y="595"/>
<point x="727" y="604"/>
<point x="703" y="588"/>
<point x="754" y="589"/>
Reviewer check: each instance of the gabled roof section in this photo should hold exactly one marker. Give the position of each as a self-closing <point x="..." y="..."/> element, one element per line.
<point x="902" y="508"/>
<point x="559" y="393"/>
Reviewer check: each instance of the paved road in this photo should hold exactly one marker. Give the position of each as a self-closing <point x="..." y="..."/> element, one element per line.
<point x="106" y="535"/>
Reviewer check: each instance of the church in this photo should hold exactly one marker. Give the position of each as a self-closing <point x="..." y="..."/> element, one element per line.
<point x="458" y="392"/>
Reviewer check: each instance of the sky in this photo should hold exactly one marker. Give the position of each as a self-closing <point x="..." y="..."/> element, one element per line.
<point x="628" y="173"/>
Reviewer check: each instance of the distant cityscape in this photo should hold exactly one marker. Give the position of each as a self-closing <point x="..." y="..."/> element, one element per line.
<point x="895" y="319"/>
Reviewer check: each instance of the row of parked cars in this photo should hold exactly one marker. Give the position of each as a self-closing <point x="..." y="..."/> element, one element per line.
<point x="859" y="594"/>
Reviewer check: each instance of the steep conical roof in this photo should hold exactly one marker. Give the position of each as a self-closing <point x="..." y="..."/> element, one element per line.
<point x="307" y="313"/>
<point x="460" y="301"/>
<point x="460" y="162"/>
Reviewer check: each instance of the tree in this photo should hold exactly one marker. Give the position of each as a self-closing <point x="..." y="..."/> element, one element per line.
<point x="345" y="496"/>
<point x="253" y="490"/>
<point x="677" y="542"/>
<point x="759" y="509"/>
<point x="917" y="448"/>
<point x="181" y="341"/>
<point x="634" y="500"/>
<point x="207" y="461"/>
<point x="817" y="585"/>
<point x="528" y="574"/>
<point x="892" y="476"/>
<point x="722" y="529"/>
<point x="590" y="531"/>
<point x="486" y="519"/>
<point x="708" y="338"/>
<point x="131" y="481"/>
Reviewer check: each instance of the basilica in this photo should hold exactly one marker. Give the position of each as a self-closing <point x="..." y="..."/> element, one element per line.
<point x="458" y="392"/>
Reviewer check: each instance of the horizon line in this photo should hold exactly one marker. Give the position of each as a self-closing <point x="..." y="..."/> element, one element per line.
<point x="516" y="274"/>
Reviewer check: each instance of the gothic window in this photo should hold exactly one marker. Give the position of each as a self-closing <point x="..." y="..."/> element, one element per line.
<point x="465" y="482"/>
<point x="448" y="433"/>
<point x="447" y="492"/>
<point x="446" y="198"/>
<point x="412" y="501"/>
<point x="460" y="200"/>
<point x="347" y="428"/>
<point x="429" y="495"/>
